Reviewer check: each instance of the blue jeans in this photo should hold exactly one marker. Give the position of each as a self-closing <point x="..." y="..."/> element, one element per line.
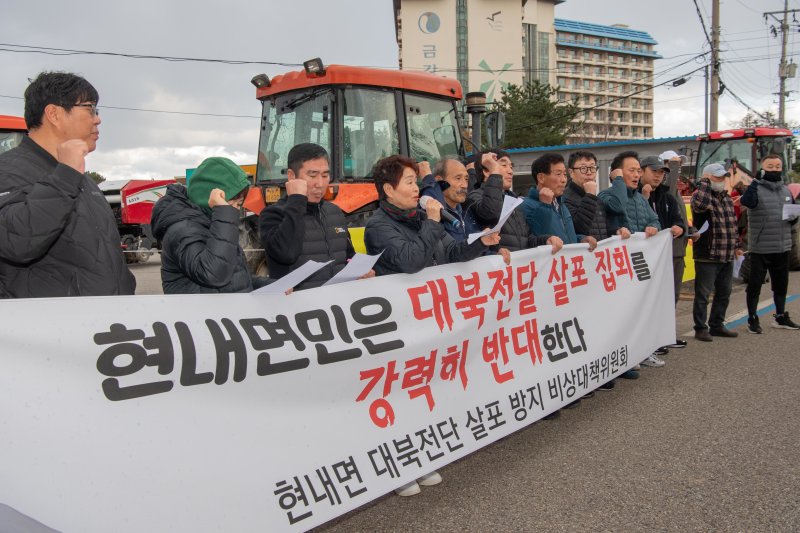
<point x="717" y="277"/>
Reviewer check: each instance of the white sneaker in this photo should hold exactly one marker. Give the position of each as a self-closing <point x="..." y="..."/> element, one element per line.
<point x="430" y="480"/>
<point x="412" y="489"/>
<point x="653" y="361"/>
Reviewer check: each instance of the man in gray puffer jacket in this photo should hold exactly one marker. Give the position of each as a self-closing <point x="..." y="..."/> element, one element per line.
<point x="769" y="241"/>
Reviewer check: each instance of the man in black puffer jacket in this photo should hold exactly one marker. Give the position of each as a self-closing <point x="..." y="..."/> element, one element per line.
<point x="198" y="228"/>
<point x="494" y="181"/>
<point x="302" y="226"/>
<point x="58" y="236"/>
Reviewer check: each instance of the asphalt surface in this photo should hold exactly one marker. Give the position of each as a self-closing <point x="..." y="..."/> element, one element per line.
<point x="707" y="443"/>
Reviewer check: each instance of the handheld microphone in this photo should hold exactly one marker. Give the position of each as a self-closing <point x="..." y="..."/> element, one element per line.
<point x="453" y="221"/>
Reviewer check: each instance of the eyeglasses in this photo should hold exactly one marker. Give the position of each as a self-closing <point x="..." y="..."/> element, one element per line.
<point x="585" y="170"/>
<point x="91" y="107"/>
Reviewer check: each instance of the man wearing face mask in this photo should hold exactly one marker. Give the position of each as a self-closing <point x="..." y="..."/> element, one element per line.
<point x="714" y="252"/>
<point x="770" y="240"/>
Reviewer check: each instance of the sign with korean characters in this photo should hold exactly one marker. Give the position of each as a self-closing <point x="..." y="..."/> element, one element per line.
<point x="248" y="412"/>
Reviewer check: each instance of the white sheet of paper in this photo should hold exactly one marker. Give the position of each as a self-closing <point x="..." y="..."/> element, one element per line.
<point x="791" y="211"/>
<point x="291" y="279"/>
<point x="509" y="204"/>
<point x="737" y="265"/>
<point x="358" y="265"/>
<point x="703" y="228"/>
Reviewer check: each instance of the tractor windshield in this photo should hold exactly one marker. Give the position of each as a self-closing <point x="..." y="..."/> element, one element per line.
<point x="370" y="129"/>
<point x="725" y="151"/>
<point x="9" y="139"/>
<point x="432" y="128"/>
<point x="289" y="120"/>
<point x="358" y="126"/>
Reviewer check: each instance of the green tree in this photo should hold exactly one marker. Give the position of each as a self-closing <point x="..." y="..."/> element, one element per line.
<point x="96" y="177"/>
<point x="534" y="116"/>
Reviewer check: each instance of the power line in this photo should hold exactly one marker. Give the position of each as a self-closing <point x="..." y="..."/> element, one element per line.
<point x="67" y="51"/>
<point x="156" y="110"/>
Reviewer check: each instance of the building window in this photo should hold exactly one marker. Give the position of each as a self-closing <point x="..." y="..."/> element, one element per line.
<point x="586" y="99"/>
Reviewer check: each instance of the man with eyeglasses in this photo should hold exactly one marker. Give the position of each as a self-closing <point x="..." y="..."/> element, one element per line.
<point x="588" y="213"/>
<point x="544" y="208"/>
<point x="58" y="236"/>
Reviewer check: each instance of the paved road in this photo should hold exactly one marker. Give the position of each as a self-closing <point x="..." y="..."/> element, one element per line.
<point x="707" y="443"/>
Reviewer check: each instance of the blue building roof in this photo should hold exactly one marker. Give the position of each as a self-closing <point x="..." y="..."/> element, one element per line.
<point x="608" y="32"/>
<point x="589" y="146"/>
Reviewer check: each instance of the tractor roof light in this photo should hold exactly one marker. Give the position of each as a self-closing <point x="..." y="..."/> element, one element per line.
<point x="476" y="102"/>
<point x="260" y="80"/>
<point x="314" y="67"/>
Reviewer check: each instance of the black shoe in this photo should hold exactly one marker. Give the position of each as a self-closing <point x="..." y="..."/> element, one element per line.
<point x="588" y="395"/>
<point x="783" y="322"/>
<point x="630" y="374"/>
<point x="753" y="326"/>
<point x="662" y="351"/>
<point x="722" y="332"/>
<point x="679" y="343"/>
<point x="552" y="416"/>
<point x="703" y="335"/>
<point x="608" y="385"/>
<point x="573" y="405"/>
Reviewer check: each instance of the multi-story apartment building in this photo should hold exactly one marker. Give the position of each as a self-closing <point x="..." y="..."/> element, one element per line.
<point x="488" y="44"/>
<point x="608" y="71"/>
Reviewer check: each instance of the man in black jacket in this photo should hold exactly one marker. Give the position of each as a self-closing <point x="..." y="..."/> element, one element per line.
<point x="668" y="210"/>
<point x="58" y="236"/>
<point x="494" y="181"/>
<point x="302" y="226"/>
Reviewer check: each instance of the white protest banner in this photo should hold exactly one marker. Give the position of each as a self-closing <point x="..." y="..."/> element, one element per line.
<point x="278" y="413"/>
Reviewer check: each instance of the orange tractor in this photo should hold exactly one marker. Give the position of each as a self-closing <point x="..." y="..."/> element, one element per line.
<point x="359" y="115"/>
<point x="12" y="130"/>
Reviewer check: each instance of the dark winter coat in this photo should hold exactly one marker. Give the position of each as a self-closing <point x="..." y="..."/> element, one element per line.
<point x="668" y="210"/>
<point x="588" y="212"/>
<point x="295" y="230"/>
<point x="767" y="232"/>
<point x="487" y="202"/>
<point x="58" y="236"/>
<point x="411" y="242"/>
<point x="199" y="254"/>
<point x="463" y="213"/>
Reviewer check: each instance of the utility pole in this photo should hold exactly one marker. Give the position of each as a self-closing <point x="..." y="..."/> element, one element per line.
<point x="785" y="70"/>
<point x="714" y="112"/>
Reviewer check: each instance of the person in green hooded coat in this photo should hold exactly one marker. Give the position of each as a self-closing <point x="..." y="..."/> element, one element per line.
<point x="198" y="227"/>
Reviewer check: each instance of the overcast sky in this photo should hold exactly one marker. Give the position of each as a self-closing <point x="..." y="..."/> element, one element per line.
<point x="358" y="32"/>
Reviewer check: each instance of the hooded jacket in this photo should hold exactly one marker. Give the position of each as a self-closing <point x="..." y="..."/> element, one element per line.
<point x="200" y="253"/>
<point x="58" y="236"/>
<point x="630" y="210"/>
<point x="294" y="230"/>
<point x="410" y="242"/>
